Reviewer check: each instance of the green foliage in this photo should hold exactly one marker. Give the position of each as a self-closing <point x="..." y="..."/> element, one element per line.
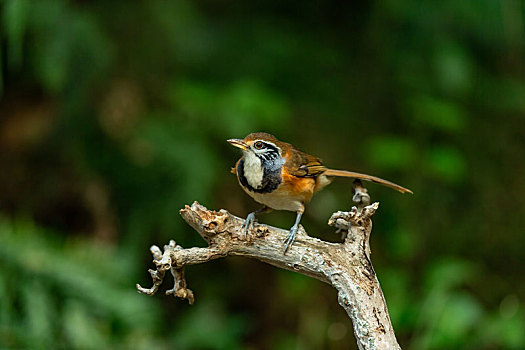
<point x="237" y="110"/>
<point x="439" y="115"/>
<point x="14" y="17"/>
<point x="208" y="326"/>
<point x="447" y="163"/>
<point x="449" y="316"/>
<point x="391" y="152"/>
<point x="69" y="295"/>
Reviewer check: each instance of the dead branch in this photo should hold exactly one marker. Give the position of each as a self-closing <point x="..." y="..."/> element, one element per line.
<point x="346" y="266"/>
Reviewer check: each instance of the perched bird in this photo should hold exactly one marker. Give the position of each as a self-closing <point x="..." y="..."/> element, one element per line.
<point x="279" y="176"/>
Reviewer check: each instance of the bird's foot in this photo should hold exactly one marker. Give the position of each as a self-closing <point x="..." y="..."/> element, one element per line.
<point x="291" y="237"/>
<point x="248" y="224"/>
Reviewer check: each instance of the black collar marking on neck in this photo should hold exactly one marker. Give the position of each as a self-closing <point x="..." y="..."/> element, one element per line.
<point x="270" y="181"/>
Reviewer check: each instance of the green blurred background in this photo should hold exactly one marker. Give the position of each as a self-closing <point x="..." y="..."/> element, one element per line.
<point x="114" y="115"/>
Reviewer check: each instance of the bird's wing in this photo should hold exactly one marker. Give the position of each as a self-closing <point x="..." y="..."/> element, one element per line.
<point x="301" y="164"/>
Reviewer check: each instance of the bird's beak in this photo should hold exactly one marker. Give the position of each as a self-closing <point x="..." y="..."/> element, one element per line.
<point x="239" y="143"/>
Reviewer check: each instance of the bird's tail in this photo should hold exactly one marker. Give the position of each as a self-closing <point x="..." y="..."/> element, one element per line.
<point x="344" y="173"/>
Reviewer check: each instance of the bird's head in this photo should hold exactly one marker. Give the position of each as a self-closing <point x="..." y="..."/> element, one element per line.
<point x="264" y="146"/>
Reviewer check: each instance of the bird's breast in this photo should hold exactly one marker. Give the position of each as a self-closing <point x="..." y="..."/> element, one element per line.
<point x="253" y="171"/>
<point x="258" y="177"/>
<point x="271" y="185"/>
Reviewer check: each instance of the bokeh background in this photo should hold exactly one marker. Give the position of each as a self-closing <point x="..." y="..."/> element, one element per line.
<point x="114" y="115"/>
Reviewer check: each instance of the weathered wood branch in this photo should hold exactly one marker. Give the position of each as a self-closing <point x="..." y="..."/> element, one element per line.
<point x="346" y="266"/>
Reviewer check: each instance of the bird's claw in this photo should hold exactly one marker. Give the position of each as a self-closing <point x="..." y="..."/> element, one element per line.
<point x="291" y="238"/>
<point x="248" y="224"/>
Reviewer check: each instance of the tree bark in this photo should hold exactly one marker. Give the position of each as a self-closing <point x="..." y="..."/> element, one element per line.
<point x="346" y="266"/>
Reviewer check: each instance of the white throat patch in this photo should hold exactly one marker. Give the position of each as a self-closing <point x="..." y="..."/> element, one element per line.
<point x="253" y="171"/>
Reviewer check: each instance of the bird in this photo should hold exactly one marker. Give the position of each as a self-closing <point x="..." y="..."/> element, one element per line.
<point x="281" y="177"/>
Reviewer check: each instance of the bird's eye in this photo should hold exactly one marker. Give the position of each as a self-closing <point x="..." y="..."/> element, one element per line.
<point x="258" y="145"/>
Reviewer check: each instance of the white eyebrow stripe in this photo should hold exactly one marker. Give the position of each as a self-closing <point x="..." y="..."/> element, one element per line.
<point x="268" y="143"/>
